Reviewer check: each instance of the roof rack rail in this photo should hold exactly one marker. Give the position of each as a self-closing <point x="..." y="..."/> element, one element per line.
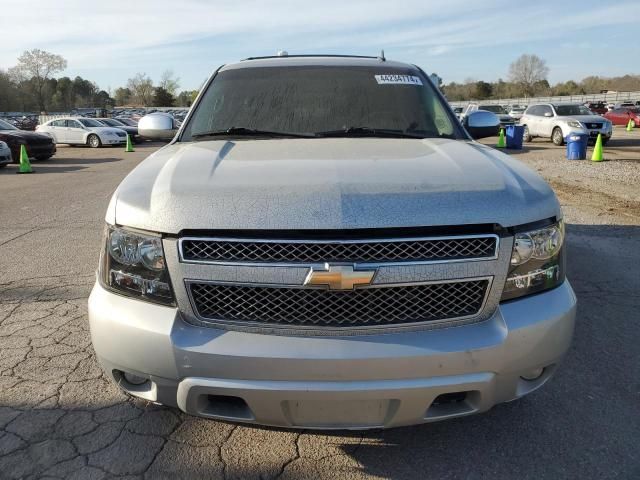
<point x="309" y="55"/>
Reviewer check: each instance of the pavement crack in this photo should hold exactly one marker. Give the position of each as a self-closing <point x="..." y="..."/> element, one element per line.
<point x="225" y="466"/>
<point x="297" y="455"/>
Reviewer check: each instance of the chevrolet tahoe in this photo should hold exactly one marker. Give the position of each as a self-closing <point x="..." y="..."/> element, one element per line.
<point x="324" y="245"/>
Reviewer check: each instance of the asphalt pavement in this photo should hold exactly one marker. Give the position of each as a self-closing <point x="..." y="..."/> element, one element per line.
<point x="60" y="417"/>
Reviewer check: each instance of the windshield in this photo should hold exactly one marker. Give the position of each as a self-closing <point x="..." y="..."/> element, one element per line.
<point x="517" y="109"/>
<point x="126" y="121"/>
<point x="87" y="122"/>
<point x="566" y="110"/>
<point x="6" y="126"/>
<point x="110" y="122"/>
<point x="493" y="108"/>
<point x="310" y="100"/>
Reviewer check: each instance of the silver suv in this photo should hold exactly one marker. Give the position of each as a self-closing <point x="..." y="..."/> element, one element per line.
<point x="322" y="245"/>
<point x="558" y="120"/>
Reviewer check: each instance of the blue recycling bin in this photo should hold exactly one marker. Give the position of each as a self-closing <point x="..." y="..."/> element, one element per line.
<point x="577" y="146"/>
<point x="514" y="137"/>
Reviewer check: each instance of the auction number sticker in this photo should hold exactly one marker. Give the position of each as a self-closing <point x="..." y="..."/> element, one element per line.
<point x="398" y="80"/>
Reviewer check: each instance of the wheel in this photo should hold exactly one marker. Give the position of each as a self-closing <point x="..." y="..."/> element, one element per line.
<point x="93" y="141"/>
<point x="42" y="158"/>
<point x="2" y="165"/>
<point x="556" y="137"/>
<point x="526" y="136"/>
<point x="605" y="140"/>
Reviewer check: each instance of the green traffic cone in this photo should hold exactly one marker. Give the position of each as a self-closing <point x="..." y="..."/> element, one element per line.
<point x="501" y="142"/>
<point x="129" y="145"/>
<point x="630" y="125"/>
<point x="597" y="150"/>
<point x="25" y="165"/>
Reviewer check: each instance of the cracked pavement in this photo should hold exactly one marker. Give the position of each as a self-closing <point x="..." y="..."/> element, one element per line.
<point x="60" y="417"/>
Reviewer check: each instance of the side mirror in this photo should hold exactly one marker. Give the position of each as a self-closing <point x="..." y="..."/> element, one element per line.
<point x="157" y="126"/>
<point x="548" y="114"/>
<point x="481" y="124"/>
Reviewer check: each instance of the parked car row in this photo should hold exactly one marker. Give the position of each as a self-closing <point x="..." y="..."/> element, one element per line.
<point x="22" y="122"/>
<point x="556" y="121"/>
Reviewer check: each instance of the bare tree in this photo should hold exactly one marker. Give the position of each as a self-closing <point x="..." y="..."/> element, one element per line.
<point x="37" y="66"/>
<point x="170" y="82"/>
<point x="141" y="87"/>
<point x="527" y="70"/>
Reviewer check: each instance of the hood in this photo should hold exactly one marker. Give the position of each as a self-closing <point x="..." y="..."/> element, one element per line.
<point x="584" y="118"/>
<point x="329" y="184"/>
<point x="24" y="135"/>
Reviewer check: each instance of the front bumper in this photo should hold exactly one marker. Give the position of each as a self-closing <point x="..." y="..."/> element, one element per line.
<point x="33" y="151"/>
<point x="114" y="140"/>
<point x="360" y="381"/>
<point x="606" y="132"/>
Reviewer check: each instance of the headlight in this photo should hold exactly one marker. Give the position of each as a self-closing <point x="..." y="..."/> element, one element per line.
<point x="133" y="264"/>
<point x="575" y="124"/>
<point x="537" y="262"/>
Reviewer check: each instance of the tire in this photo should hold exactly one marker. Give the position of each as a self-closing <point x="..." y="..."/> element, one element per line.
<point x="556" y="137"/>
<point x="2" y="165"/>
<point x="42" y="158"/>
<point x="605" y="140"/>
<point x="93" y="141"/>
<point x="526" y="136"/>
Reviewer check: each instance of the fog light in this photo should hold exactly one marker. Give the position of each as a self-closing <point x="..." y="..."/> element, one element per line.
<point x="134" y="379"/>
<point x="533" y="374"/>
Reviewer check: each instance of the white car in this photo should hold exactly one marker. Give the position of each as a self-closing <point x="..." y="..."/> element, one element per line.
<point x="5" y="154"/>
<point x="556" y="121"/>
<point x="82" y="131"/>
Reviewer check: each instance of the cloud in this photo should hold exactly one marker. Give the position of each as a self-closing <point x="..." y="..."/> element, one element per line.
<point x="138" y="35"/>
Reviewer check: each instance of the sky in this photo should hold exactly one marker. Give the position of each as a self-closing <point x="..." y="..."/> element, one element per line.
<point x="109" y="42"/>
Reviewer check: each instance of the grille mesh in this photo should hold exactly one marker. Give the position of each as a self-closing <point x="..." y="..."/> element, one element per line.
<point x="373" y="251"/>
<point x="366" y="307"/>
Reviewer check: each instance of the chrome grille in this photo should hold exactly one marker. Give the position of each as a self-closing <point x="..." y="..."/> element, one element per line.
<point x="290" y="251"/>
<point x="313" y="307"/>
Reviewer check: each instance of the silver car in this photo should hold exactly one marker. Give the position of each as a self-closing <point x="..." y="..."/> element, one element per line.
<point x="556" y="121"/>
<point x="323" y="245"/>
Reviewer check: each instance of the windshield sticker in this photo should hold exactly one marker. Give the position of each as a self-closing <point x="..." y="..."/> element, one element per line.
<point x="398" y="80"/>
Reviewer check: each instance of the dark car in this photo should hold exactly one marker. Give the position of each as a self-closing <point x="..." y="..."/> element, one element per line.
<point x="38" y="146"/>
<point x="114" y="122"/>
<point x="597" y="107"/>
<point x="128" y="121"/>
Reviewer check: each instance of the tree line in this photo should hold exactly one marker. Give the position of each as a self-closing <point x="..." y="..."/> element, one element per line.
<point x="528" y="78"/>
<point x="31" y="85"/>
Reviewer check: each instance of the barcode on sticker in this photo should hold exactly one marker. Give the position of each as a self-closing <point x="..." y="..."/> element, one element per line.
<point x="398" y="80"/>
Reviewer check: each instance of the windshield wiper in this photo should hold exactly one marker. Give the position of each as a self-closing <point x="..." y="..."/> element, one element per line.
<point x="249" y="132"/>
<point x="368" y="132"/>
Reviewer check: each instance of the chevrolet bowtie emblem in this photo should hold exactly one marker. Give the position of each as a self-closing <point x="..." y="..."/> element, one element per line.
<point x="339" y="277"/>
